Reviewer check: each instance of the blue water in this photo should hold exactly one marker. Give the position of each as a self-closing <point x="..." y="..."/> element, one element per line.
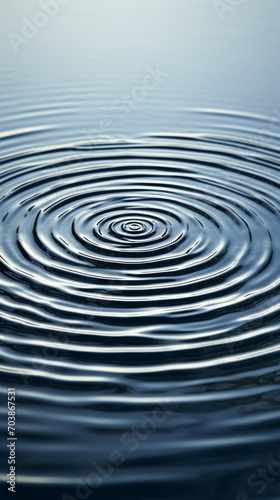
<point x="139" y="262"/>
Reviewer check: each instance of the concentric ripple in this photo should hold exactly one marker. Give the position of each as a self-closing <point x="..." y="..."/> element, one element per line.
<point x="136" y="274"/>
<point x="166" y="249"/>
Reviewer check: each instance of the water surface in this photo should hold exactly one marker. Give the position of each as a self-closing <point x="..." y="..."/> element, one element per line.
<point x="140" y="250"/>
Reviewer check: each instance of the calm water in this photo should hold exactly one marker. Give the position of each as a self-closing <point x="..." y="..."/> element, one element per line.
<point x="140" y="276"/>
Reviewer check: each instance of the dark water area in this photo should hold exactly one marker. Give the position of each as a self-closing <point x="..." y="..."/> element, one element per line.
<point x="139" y="259"/>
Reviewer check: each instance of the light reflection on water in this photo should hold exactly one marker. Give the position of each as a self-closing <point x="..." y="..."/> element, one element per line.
<point x="139" y="248"/>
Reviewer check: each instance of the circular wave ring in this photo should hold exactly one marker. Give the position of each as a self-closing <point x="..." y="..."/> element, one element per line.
<point x="165" y="245"/>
